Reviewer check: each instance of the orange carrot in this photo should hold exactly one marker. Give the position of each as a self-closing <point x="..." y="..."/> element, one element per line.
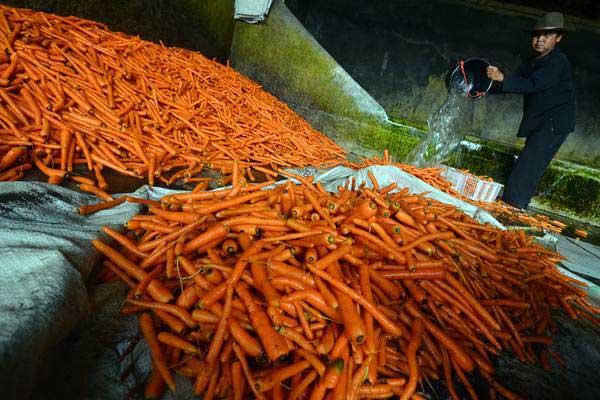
<point x="149" y="333"/>
<point x="273" y="343"/>
<point x="174" y="341"/>
<point x="413" y="346"/>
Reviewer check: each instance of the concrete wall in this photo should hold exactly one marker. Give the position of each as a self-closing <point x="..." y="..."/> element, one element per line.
<point x="202" y="25"/>
<point x="400" y="51"/>
<point x="289" y="63"/>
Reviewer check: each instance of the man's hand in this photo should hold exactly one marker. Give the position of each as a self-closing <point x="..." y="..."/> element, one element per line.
<point x="494" y="74"/>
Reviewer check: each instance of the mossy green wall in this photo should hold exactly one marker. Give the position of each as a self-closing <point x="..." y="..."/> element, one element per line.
<point x="202" y="25"/>
<point x="283" y="57"/>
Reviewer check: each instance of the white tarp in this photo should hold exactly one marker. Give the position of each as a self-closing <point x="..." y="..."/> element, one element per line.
<point x="252" y="11"/>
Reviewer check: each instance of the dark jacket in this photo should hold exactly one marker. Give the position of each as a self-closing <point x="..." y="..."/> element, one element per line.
<point x="549" y="101"/>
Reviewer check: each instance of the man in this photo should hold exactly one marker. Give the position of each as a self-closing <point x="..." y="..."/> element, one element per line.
<point x="548" y="109"/>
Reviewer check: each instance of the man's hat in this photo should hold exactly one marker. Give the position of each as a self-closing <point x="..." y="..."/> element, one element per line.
<point x="552" y="21"/>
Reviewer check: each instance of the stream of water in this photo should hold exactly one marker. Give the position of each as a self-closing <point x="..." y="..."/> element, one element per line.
<point x="447" y="127"/>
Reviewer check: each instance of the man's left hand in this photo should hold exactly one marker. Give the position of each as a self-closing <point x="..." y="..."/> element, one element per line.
<point x="494" y="74"/>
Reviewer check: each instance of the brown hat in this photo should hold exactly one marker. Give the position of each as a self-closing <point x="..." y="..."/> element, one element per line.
<point x="552" y="21"/>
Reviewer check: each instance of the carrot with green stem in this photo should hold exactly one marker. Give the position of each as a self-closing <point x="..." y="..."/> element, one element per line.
<point x="317" y="207"/>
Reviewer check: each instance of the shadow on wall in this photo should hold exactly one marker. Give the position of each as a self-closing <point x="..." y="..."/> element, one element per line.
<point x="400" y="51"/>
<point x="202" y="25"/>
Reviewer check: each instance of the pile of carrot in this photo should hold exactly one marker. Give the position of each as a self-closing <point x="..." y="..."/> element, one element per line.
<point x="430" y="175"/>
<point x="433" y="176"/>
<point x="291" y="292"/>
<point x="539" y="222"/>
<point x="73" y="93"/>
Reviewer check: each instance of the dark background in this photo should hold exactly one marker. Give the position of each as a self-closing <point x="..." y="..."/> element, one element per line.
<point x="400" y="51"/>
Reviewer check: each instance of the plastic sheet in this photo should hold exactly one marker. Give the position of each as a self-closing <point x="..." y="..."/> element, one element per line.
<point x="46" y="258"/>
<point x="252" y="11"/>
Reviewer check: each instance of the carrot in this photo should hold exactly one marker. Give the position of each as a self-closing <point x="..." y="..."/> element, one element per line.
<point x="179" y="312"/>
<point x="463" y="359"/>
<point x="312" y="297"/>
<point x="123" y="241"/>
<point x="413" y="346"/>
<point x="279" y="375"/>
<point x="155" y="288"/>
<point x="296" y="337"/>
<point x="313" y="360"/>
<point x="100" y="178"/>
<point x="90" y="209"/>
<point x="421" y="273"/>
<point x="214" y="232"/>
<point x="379" y="391"/>
<point x="385" y="322"/>
<point x="299" y="389"/>
<point x="174" y="341"/>
<point x="465" y="294"/>
<point x="283" y="269"/>
<point x="245" y="341"/>
<point x="273" y="343"/>
<point x="333" y="256"/>
<point x="365" y="210"/>
<point x="11" y="156"/>
<point x="359" y="376"/>
<point x="317" y="207"/>
<point x="47" y="170"/>
<point x="171" y="321"/>
<point x="149" y="333"/>
<point x="329" y="380"/>
<point x="353" y="324"/>
<point x="176" y="216"/>
<point x="373" y="180"/>
<point x="281" y="303"/>
<point x="95" y="191"/>
<point x="156" y="385"/>
<point x="237" y="382"/>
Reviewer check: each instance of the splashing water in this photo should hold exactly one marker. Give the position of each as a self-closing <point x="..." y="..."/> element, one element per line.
<point x="447" y="127"/>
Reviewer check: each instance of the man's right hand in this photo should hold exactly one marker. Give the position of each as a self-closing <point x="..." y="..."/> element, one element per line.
<point x="494" y="74"/>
